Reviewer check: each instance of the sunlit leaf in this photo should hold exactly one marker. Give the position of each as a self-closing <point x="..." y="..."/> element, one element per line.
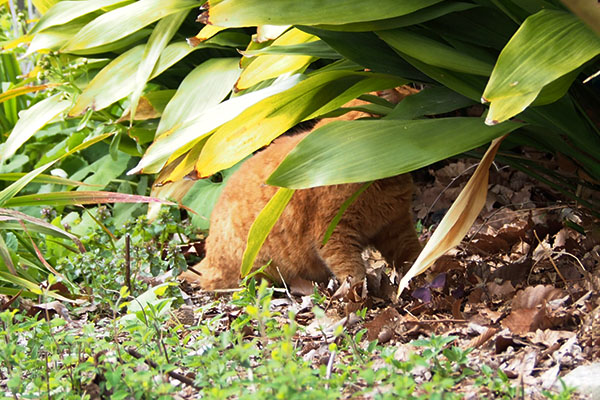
<point x="19" y="91"/>
<point x="66" y="11"/>
<point x="271" y="66"/>
<point x="264" y="33"/>
<point x="317" y="48"/>
<point x="360" y="151"/>
<point x="231" y="13"/>
<point x="123" y="21"/>
<point x="119" y="75"/>
<point x="202" y="124"/>
<point x="258" y="125"/>
<point x="262" y="225"/>
<point x="205" y="33"/>
<point x="458" y="220"/>
<point x="32" y="120"/>
<point x="160" y="37"/>
<point x="547" y="46"/>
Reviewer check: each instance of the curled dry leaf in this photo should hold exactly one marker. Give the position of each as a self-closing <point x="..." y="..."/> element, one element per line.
<point x="533" y="296"/>
<point x="384" y="322"/>
<point x="459" y="218"/>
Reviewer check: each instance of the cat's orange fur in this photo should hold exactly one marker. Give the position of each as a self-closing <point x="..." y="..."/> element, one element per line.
<point x="380" y="217"/>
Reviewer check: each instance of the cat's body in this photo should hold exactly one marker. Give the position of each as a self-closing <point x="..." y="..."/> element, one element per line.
<point x="379" y="217"/>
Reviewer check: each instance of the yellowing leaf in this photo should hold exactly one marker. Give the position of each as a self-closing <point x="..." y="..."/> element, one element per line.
<point x="272" y="66"/>
<point x="258" y="125"/>
<point x="459" y="218"/>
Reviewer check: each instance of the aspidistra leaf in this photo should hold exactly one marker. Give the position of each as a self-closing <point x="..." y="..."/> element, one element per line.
<point x="272" y="66"/>
<point x="66" y="11"/>
<point x="32" y="120"/>
<point x="236" y="13"/>
<point x="123" y="21"/>
<point x="547" y="46"/>
<point x="258" y="125"/>
<point x="360" y="151"/>
<point x="160" y="37"/>
<point x="262" y="225"/>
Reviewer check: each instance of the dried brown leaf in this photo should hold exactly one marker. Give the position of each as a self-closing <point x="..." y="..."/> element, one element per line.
<point x="532" y="296"/>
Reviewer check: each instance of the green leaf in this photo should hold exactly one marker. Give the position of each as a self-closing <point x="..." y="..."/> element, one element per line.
<point x="318" y="49"/>
<point x="258" y="125"/>
<point x="123" y="21"/>
<point x="203" y="196"/>
<point x="204" y="122"/>
<point x="216" y="77"/>
<point x="359" y="151"/>
<point x="35" y="225"/>
<point x="80" y="197"/>
<point x="434" y="53"/>
<point x="66" y="11"/>
<point x="42" y="178"/>
<point x="369" y="51"/>
<point x="236" y="13"/>
<point x="547" y="46"/>
<point x="417" y="17"/>
<point x="14" y="188"/>
<point x="120" y="74"/>
<point x="32" y="120"/>
<point x="271" y="66"/>
<point x="262" y="225"/>
<point x="429" y="101"/>
<point x="160" y="37"/>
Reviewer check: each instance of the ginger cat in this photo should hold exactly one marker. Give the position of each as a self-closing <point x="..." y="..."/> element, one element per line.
<point x="379" y="217"/>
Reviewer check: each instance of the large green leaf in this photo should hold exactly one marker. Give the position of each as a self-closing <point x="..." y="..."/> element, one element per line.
<point x="434" y="52"/>
<point x="547" y="46"/>
<point x="417" y="17"/>
<point x="123" y="21"/>
<point x="32" y="120"/>
<point x="160" y="37"/>
<point x="262" y="225"/>
<point x="202" y="122"/>
<point x="231" y="13"/>
<point x="66" y="11"/>
<point x="359" y="151"/>
<point x="260" y="124"/>
<point x="120" y="74"/>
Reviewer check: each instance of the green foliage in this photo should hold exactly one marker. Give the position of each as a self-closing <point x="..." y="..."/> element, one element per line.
<point x="255" y="358"/>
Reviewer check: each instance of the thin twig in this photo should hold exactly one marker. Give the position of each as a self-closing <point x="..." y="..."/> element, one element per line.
<point x="175" y="375"/>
